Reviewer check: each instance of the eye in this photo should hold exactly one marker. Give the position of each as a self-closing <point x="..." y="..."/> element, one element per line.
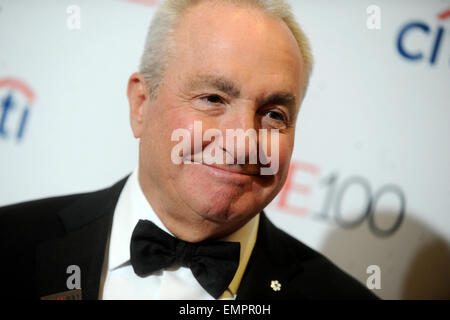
<point x="213" y="98"/>
<point x="275" y="119"/>
<point x="276" y="116"/>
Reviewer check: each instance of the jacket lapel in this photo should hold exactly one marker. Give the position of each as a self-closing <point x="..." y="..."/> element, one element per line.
<point x="270" y="269"/>
<point x="87" y="224"/>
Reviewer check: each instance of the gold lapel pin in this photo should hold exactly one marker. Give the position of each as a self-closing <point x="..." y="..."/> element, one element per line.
<point x="275" y="285"/>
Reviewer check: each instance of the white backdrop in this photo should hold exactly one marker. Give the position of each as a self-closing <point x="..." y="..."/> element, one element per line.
<point x="370" y="179"/>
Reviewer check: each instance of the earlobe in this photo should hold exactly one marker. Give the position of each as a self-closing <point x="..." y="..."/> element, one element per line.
<point x="138" y="94"/>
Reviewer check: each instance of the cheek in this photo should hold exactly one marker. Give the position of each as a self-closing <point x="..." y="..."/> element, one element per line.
<point x="161" y="146"/>
<point x="285" y="152"/>
<point x="190" y="122"/>
<point x="160" y="121"/>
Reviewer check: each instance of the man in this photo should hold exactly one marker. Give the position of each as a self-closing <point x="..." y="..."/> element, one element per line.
<point x="188" y="223"/>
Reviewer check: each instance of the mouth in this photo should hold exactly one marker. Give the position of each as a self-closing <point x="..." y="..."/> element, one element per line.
<point x="234" y="169"/>
<point x="238" y="173"/>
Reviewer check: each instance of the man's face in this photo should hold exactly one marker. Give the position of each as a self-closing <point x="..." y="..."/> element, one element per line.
<point x="232" y="68"/>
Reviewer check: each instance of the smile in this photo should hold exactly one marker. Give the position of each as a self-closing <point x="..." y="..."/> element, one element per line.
<point x="226" y="172"/>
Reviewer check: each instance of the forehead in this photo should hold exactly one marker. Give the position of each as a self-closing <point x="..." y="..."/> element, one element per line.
<point x="244" y="44"/>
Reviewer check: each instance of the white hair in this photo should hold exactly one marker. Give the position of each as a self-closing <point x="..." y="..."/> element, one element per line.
<point x="158" y="46"/>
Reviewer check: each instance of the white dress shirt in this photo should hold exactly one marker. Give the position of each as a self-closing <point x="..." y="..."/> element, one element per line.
<point x="119" y="282"/>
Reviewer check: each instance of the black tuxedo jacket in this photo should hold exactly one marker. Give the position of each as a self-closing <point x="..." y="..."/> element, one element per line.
<point x="40" y="239"/>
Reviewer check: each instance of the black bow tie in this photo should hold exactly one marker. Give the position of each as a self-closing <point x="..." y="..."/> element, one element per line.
<point x="213" y="263"/>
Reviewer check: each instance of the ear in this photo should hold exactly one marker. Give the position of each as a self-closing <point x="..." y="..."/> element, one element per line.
<point x="138" y="95"/>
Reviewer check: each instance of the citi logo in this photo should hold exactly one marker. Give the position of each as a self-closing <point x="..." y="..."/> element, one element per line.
<point x="433" y="34"/>
<point x="16" y="99"/>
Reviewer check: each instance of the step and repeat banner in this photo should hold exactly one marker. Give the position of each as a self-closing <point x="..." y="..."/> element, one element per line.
<point x="369" y="185"/>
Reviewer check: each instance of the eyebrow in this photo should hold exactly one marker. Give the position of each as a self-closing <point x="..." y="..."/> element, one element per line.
<point x="280" y="98"/>
<point x="227" y="86"/>
<point x="218" y="82"/>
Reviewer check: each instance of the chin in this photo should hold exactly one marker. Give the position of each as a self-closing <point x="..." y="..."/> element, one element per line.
<point x="222" y="206"/>
<point x="222" y="198"/>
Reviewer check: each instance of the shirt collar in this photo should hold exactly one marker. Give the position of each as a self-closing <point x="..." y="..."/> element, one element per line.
<point x="246" y="236"/>
<point x="131" y="207"/>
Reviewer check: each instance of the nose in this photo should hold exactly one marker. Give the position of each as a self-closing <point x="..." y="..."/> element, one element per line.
<point x="240" y="131"/>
